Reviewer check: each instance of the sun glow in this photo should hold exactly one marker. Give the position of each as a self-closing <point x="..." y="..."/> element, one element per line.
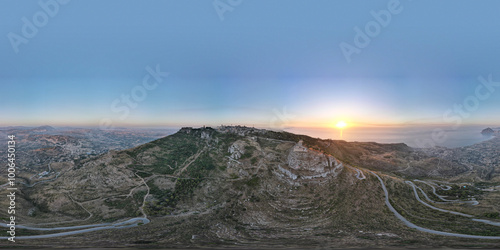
<point x="341" y="124"/>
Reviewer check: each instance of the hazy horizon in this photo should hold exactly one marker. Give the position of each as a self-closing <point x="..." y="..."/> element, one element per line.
<point x="413" y="136"/>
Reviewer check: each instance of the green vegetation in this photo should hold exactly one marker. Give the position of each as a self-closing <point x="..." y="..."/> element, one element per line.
<point x="185" y="185"/>
<point x="265" y="143"/>
<point x="494" y="215"/>
<point x="461" y="192"/>
<point x="123" y="204"/>
<point x="314" y="143"/>
<point x="168" y="199"/>
<point x="144" y="174"/>
<point x="201" y="167"/>
<point x="253" y="182"/>
<point x="254" y="160"/>
<point x="172" y="153"/>
<point x="285" y="136"/>
<point x="229" y="138"/>
<point x="248" y="152"/>
<point x="155" y="190"/>
<point x="117" y="203"/>
<point x="484" y="185"/>
<point x="139" y="196"/>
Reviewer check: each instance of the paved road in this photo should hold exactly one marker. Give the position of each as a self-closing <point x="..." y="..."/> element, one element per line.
<point x="97" y="227"/>
<point x="411" y="225"/>
<point x="430" y="206"/>
<point x="447" y="211"/>
<point x="359" y="174"/>
<point x="57" y="228"/>
<point x="83" y="228"/>
<point x="474" y="202"/>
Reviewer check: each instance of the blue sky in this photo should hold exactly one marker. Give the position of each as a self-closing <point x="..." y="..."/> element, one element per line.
<point x="264" y="56"/>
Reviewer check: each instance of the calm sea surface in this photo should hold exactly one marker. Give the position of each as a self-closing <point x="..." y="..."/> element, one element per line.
<point x="412" y="136"/>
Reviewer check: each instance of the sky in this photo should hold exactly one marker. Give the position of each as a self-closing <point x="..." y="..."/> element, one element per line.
<point x="281" y="63"/>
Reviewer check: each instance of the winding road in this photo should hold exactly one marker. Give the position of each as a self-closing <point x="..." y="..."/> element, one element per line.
<point x="447" y="211"/>
<point x="359" y="174"/>
<point x="473" y="202"/>
<point x="88" y="228"/>
<point x="426" y="230"/>
<point x="134" y="222"/>
<point x="430" y="206"/>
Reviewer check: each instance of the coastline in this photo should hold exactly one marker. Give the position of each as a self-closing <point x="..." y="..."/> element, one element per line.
<point x="415" y="137"/>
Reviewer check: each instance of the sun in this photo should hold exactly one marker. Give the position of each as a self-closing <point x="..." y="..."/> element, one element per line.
<point x="341" y="124"/>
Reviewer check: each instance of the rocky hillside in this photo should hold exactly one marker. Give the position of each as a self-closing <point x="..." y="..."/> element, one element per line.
<point x="240" y="186"/>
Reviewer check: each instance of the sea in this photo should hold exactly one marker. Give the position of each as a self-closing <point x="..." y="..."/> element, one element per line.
<point x="413" y="136"/>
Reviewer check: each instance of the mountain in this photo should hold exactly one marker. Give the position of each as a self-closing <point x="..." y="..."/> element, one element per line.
<point x="252" y="188"/>
<point x="45" y="128"/>
<point x="488" y="131"/>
